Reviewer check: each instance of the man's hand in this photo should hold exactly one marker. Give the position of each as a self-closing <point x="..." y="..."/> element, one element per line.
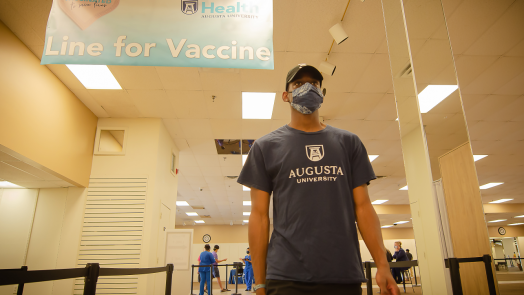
<point x="385" y="282"/>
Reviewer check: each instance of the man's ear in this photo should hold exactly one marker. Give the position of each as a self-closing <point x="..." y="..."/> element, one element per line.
<point x="285" y="96"/>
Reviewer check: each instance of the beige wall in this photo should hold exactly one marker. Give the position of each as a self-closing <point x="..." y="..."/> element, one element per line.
<point x="511" y="231"/>
<point x="148" y="154"/>
<point x="40" y="228"/>
<point x="40" y="118"/>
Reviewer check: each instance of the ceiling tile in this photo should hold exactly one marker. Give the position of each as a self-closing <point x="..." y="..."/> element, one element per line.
<point x="226" y="128"/>
<point x="488" y="106"/>
<point x="504" y="34"/>
<point x="175" y="78"/>
<point x="188" y="104"/>
<point x="513" y="87"/>
<point x="377" y="77"/>
<point x="196" y="128"/>
<point x="470" y="67"/>
<point x="65" y="75"/>
<point x="497" y="75"/>
<point x="152" y="103"/>
<point x="187" y="159"/>
<point x="349" y="70"/>
<point x="116" y="103"/>
<point x="35" y="13"/>
<point x="226" y="105"/>
<point x="202" y="146"/>
<point x="357" y="106"/>
<point x="134" y="77"/>
<point x="230" y="160"/>
<point x="207" y="160"/>
<point x="221" y="79"/>
<point x="190" y="171"/>
<point x="283" y="12"/>
<point x="254" y="129"/>
<point x="174" y="129"/>
<point x="211" y="171"/>
<point x="19" y="25"/>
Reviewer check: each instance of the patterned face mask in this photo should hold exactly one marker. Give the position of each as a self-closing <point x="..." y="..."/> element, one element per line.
<point x="307" y="99"/>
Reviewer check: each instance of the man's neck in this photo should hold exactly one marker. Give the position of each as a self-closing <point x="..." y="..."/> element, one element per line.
<point x="307" y="123"/>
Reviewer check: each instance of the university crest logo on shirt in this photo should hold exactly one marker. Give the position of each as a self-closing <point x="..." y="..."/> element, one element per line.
<point x="315" y="152"/>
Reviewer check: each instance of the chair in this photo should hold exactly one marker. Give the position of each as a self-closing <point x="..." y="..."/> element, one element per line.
<point x="407" y="273"/>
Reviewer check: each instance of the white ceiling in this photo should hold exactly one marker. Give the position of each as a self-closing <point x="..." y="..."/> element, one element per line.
<point x="487" y="40"/>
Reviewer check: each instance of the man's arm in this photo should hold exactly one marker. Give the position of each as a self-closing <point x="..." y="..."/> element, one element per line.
<point x="258" y="233"/>
<point x="369" y="227"/>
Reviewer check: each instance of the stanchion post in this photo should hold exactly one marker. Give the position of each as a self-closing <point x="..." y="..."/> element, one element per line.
<point x="489" y="274"/>
<point x="226" y="276"/>
<point x="236" y="281"/>
<point x="93" y="269"/>
<point x="369" y="283"/>
<point x="20" y="289"/>
<point x="456" y="283"/>
<point x="210" y="285"/>
<point x="415" y="273"/>
<point x="169" y="278"/>
<point x="192" y="277"/>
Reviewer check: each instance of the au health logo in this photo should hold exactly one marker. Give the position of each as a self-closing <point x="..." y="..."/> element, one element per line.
<point x="189" y="6"/>
<point x="315" y="152"/>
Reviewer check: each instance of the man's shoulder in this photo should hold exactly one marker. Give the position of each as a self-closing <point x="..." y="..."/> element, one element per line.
<point x="273" y="136"/>
<point x="342" y="132"/>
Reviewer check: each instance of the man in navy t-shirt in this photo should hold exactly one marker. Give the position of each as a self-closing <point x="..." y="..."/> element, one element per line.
<point x="318" y="176"/>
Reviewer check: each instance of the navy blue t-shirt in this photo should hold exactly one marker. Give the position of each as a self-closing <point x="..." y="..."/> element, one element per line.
<point x="312" y="176"/>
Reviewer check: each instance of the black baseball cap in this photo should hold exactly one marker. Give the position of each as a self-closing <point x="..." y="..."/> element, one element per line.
<point x="302" y="68"/>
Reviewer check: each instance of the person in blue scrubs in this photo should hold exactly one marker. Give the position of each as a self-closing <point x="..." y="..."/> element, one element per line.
<point x="248" y="271"/>
<point x="206" y="258"/>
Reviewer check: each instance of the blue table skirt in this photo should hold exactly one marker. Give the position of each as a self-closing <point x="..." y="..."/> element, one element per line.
<point x="232" y="277"/>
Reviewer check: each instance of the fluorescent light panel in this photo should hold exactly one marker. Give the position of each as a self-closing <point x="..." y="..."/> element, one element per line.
<point x="95" y="76"/>
<point x="500" y="201"/>
<point x="386" y="226"/>
<point x="372" y="157"/>
<point x="478" y="157"/>
<point x="245" y="221"/>
<point x="498" y="220"/>
<point x="182" y="203"/>
<point x="246" y="203"/>
<point x="192" y="214"/>
<point x="378" y="202"/>
<point x="257" y="105"/>
<point x="405" y="188"/>
<point x="244" y="158"/>
<point x="200" y="221"/>
<point x="246" y="213"/>
<point x="520" y="223"/>
<point x="7" y="184"/>
<point x="433" y="95"/>
<point x="520" y="216"/>
<point x="401" y="222"/>
<point x="490" y="185"/>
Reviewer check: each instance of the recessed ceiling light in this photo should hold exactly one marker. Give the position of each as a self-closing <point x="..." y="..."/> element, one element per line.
<point x="95" y="76"/>
<point x="433" y="95"/>
<point x="405" y="188"/>
<point x="520" y="223"/>
<point x="245" y="188"/>
<point x="386" y="226"/>
<point x="490" y="185"/>
<point x="192" y="214"/>
<point x="182" y="203"/>
<point x="257" y="105"/>
<point x="245" y="221"/>
<point x="244" y="158"/>
<point x="372" y="157"/>
<point x="378" y="202"/>
<point x="401" y="222"/>
<point x="246" y="213"/>
<point x="246" y="203"/>
<point x="498" y="220"/>
<point x="520" y="216"/>
<point x="7" y="184"/>
<point x="478" y="157"/>
<point x="200" y="221"/>
<point x="500" y="201"/>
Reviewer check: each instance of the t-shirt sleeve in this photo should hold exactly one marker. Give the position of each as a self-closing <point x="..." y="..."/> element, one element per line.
<point x="361" y="169"/>
<point x="254" y="173"/>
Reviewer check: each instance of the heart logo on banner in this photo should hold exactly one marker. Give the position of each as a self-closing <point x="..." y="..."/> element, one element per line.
<point x="85" y="13"/>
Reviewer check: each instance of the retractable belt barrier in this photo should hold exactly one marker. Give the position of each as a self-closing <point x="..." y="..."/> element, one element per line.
<point x="91" y="273"/>
<point x="368" y="265"/>
<point x="210" y="288"/>
<point x="456" y="283"/>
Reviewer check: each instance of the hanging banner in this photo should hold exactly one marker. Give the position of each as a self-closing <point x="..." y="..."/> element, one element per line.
<point x="175" y="33"/>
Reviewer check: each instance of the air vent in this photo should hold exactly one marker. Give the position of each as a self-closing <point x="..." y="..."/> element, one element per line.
<point x="205" y="216"/>
<point x="407" y="72"/>
<point x="198" y="207"/>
